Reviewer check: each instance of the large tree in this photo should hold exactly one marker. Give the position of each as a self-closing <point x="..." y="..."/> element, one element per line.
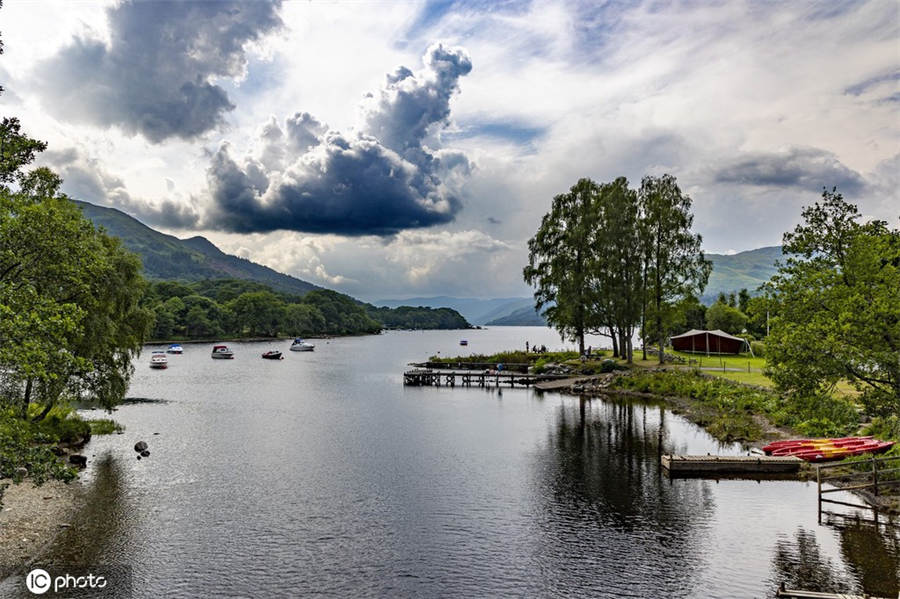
<point x="70" y="319"/>
<point x="560" y="261"/>
<point x="674" y="265"/>
<point x="838" y="297"/>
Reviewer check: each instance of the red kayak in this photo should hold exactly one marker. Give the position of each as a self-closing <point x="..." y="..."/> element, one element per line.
<point x="821" y="450"/>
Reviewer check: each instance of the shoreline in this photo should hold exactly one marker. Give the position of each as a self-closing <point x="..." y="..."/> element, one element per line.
<point x="31" y="518"/>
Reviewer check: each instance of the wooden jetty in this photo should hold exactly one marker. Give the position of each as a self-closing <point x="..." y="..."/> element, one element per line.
<point x="798" y="594"/>
<point x="699" y="465"/>
<point x="471" y="378"/>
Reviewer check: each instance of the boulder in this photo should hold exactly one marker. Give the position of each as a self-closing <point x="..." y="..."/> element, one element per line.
<point x="78" y="460"/>
<point x="145" y="453"/>
<point x="22" y="471"/>
<point x="140" y="446"/>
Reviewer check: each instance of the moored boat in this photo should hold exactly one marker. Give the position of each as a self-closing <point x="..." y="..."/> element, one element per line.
<point x="301" y="345"/>
<point x="175" y="348"/>
<point x="222" y="352"/>
<point x="463" y="342"/>
<point x="159" y="360"/>
<point x="272" y="355"/>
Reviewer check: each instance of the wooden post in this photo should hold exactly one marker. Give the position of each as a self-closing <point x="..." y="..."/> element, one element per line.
<point x="875" y="475"/>
<point x="819" y="485"/>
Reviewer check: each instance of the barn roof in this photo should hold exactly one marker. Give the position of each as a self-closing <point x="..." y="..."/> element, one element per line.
<point x="717" y="333"/>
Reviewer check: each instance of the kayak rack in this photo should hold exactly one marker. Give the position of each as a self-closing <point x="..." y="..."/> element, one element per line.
<point x="867" y="479"/>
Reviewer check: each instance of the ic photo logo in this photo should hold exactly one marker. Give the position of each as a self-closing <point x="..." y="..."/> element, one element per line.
<point x="38" y="581"/>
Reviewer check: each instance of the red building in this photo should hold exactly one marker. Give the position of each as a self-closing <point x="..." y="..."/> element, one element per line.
<point x="708" y="342"/>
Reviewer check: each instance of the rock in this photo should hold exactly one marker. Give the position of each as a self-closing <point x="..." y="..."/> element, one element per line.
<point x="140" y="446"/>
<point x="139" y="457"/>
<point x="58" y="451"/>
<point x="22" y="471"/>
<point x="145" y="453"/>
<point x="78" y="460"/>
<point x="155" y="433"/>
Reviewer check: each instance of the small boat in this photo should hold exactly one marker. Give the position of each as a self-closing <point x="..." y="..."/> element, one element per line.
<point x="301" y="345"/>
<point x="463" y="342"/>
<point x="821" y="450"/>
<point x="222" y="352"/>
<point x="272" y="355"/>
<point x="159" y="360"/>
<point x="175" y="348"/>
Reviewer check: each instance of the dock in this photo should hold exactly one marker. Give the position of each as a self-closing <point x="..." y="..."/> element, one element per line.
<point x="471" y="378"/>
<point x="699" y="465"/>
<point x="785" y="593"/>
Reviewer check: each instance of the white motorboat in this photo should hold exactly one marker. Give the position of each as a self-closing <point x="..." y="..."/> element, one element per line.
<point x="222" y="352"/>
<point x="301" y="345"/>
<point x="175" y="348"/>
<point x="158" y="359"/>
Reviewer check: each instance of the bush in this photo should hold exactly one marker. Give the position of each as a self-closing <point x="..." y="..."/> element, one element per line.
<point x="759" y="349"/>
<point x="24" y="444"/>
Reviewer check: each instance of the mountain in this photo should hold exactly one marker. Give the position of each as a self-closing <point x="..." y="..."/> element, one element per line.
<point x="194" y="259"/>
<point x="476" y="311"/>
<point x="523" y="317"/>
<point x="744" y="270"/>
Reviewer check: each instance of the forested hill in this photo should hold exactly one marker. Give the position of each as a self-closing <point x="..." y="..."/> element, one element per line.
<point x="744" y="270"/>
<point x="196" y="259"/>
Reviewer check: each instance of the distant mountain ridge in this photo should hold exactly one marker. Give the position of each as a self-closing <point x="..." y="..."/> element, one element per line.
<point x="475" y="310"/>
<point x="194" y="259"/>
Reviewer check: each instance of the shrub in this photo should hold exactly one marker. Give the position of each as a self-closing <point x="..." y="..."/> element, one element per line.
<point x="759" y="349"/>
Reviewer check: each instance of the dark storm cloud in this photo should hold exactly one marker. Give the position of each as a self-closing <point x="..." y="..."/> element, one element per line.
<point x="84" y="179"/>
<point x="154" y="75"/>
<point x="377" y="181"/>
<point x="805" y="168"/>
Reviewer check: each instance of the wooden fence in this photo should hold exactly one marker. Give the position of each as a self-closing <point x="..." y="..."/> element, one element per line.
<point x="877" y="475"/>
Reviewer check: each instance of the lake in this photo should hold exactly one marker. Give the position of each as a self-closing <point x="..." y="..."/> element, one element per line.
<point x="321" y="474"/>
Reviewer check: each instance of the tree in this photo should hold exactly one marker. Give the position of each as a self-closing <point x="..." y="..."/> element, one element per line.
<point x="674" y="265"/>
<point x="743" y="300"/>
<point x="614" y="267"/>
<point x="726" y="318"/>
<point x="70" y="314"/>
<point x="559" y="261"/>
<point x="838" y="298"/>
<point x="259" y="312"/>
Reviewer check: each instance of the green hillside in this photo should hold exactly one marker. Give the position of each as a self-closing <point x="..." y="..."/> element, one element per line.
<point x="744" y="270"/>
<point x="168" y="258"/>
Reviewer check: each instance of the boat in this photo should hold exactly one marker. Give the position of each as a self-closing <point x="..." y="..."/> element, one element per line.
<point x="272" y="355"/>
<point x="301" y="345"/>
<point x="463" y="342"/>
<point x="821" y="450"/>
<point x="222" y="352"/>
<point x="159" y="360"/>
<point x="175" y="348"/>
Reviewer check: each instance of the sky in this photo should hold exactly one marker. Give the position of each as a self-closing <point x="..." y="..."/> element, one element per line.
<point x="395" y="149"/>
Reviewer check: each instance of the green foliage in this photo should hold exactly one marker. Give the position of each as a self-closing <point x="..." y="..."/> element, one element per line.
<point x="26" y="444"/>
<point x="726" y="318"/>
<point x="105" y="426"/>
<point x="70" y="319"/>
<point x="408" y="317"/>
<point x="839" y="307"/>
<point x="727" y="409"/>
<point x="759" y="349"/>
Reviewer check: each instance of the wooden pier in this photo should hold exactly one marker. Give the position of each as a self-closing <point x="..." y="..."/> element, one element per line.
<point x="471" y="378"/>
<point x="785" y="593"/>
<point x="700" y="465"/>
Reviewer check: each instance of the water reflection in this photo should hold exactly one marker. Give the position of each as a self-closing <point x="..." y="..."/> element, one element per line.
<point x="874" y="556"/>
<point x="606" y="504"/>
<point x="799" y="564"/>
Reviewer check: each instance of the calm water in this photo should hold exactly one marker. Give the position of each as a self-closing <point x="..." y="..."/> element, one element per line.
<point x="322" y="475"/>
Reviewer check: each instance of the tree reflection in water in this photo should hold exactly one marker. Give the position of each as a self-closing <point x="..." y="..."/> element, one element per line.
<point x="872" y="557"/>
<point x="611" y="521"/>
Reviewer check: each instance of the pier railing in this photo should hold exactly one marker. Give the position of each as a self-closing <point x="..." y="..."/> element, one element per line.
<point x="872" y="476"/>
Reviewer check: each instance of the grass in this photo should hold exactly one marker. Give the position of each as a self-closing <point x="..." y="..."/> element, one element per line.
<point x="105" y="426"/>
<point x="729" y="410"/>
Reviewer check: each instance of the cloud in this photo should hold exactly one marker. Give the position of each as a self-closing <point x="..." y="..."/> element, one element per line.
<point x="381" y="179"/>
<point x="85" y="179"/>
<point x="805" y="168"/>
<point x="155" y="76"/>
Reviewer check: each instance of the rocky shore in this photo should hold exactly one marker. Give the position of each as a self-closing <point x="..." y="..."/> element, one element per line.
<point x="30" y="519"/>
